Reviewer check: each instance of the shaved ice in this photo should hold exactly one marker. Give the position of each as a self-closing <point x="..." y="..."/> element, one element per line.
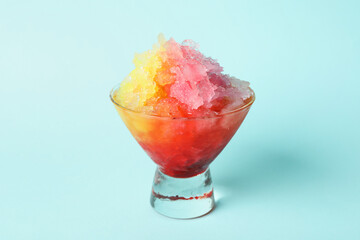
<point x="177" y="80"/>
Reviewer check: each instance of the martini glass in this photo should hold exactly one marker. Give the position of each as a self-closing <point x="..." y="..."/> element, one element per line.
<point x="183" y="149"/>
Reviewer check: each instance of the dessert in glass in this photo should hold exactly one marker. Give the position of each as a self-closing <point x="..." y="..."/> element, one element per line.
<point x="182" y="110"/>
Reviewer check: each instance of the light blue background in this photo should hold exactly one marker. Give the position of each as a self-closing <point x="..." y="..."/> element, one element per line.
<point x="69" y="169"/>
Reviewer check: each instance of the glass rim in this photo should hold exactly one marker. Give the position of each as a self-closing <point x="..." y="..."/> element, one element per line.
<point x="242" y="107"/>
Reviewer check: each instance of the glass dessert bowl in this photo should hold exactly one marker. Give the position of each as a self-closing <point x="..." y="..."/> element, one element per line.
<point x="183" y="149"/>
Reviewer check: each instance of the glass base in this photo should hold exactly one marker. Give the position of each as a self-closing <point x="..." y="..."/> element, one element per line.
<point x="182" y="197"/>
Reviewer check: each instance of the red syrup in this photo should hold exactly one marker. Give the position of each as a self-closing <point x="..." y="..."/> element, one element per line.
<point x="184" y="148"/>
<point x="173" y="198"/>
